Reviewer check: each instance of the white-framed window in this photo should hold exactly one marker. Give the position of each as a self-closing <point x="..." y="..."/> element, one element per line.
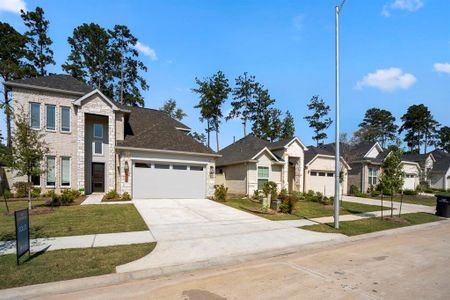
<point x="65" y="119"/>
<point x="35" y="115"/>
<point x="36" y="180"/>
<point x="98" y="147"/>
<point x="98" y="131"/>
<point x="313" y="173"/>
<point x="263" y="176"/>
<point x="196" y="168"/>
<point x="50" y="117"/>
<point x="51" y="171"/>
<point x="65" y="171"/>
<point x="373" y="176"/>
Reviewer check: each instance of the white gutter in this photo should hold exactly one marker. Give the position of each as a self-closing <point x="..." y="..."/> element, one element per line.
<point x="167" y="151"/>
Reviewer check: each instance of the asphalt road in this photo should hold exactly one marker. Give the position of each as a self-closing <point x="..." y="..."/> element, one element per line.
<point x="402" y="264"/>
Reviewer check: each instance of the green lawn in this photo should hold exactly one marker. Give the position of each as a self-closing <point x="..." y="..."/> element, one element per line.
<point x="413" y="199"/>
<point x="67" y="264"/>
<point x="362" y="226"/>
<point x="304" y="209"/>
<point x="73" y="220"/>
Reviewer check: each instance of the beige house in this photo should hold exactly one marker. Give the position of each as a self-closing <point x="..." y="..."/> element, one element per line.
<point x="98" y="145"/>
<point x="250" y="162"/>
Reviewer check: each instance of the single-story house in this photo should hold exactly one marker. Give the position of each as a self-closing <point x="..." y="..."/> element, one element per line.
<point x="247" y="164"/>
<point x="440" y="173"/>
<point x="98" y="145"/>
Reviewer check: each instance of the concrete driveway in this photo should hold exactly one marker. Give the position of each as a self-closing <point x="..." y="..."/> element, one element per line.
<point x="201" y="233"/>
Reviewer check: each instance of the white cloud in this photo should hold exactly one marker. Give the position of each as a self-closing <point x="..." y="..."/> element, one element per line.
<point x="298" y="21"/>
<point x="146" y="50"/>
<point x="408" y="5"/>
<point x="442" y="67"/>
<point x="13" y="6"/>
<point x="387" y="80"/>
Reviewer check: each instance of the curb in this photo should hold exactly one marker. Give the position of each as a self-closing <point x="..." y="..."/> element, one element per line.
<point x="73" y="285"/>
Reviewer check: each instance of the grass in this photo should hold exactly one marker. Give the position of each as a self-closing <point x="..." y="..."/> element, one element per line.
<point x="304" y="209"/>
<point x="67" y="264"/>
<point x="413" y="199"/>
<point x="73" y="220"/>
<point x="368" y="225"/>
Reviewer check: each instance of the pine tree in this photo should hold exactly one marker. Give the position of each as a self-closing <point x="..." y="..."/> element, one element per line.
<point x="170" y="108"/>
<point x="261" y="109"/>
<point x="288" y="126"/>
<point x="444" y="138"/>
<point x="318" y="120"/>
<point x="378" y="125"/>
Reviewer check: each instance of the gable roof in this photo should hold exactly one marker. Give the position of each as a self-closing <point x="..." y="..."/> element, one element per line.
<point x="153" y="129"/>
<point x="442" y="161"/>
<point x="285" y="143"/>
<point x="55" y="82"/>
<point x="241" y="150"/>
<point x="96" y="91"/>
<point x="322" y="150"/>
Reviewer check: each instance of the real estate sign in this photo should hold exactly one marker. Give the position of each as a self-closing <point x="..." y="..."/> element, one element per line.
<point x="22" y="232"/>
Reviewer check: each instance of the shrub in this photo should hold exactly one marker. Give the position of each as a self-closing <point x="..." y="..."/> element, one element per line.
<point x="36" y="192"/>
<point x="429" y="190"/>
<point x="8" y="194"/>
<point x="21" y="188"/>
<point x="220" y="192"/>
<point x="409" y="192"/>
<point x="270" y="187"/>
<point x="126" y="196"/>
<point x="288" y="204"/>
<point x="375" y="193"/>
<point x="283" y="194"/>
<point x="257" y="196"/>
<point x="68" y="196"/>
<point x="298" y="195"/>
<point x="111" y="195"/>
<point x="353" y="189"/>
<point x="285" y="207"/>
<point x="361" y="195"/>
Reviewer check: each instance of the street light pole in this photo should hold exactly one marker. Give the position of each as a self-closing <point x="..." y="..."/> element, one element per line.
<point x="337" y="141"/>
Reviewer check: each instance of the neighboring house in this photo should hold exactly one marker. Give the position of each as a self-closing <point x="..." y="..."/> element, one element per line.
<point x="320" y="170"/>
<point x="97" y="145"/>
<point x="425" y="161"/>
<point x="440" y="173"/>
<point x="366" y="159"/>
<point x="250" y="162"/>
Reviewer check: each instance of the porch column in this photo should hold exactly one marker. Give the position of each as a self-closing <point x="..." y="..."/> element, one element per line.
<point x="285" y="177"/>
<point x="80" y="150"/>
<point x="111" y="172"/>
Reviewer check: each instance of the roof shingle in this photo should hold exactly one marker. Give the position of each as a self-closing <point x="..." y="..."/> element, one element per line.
<point x="61" y="82"/>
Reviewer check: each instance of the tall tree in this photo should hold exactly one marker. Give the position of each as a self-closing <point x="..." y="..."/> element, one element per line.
<point x="28" y="150"/>
<point x="13" y="65"/>
<point x="89" y="58"/>
<point x="199" y="137"/>
<point x="127" y="82"/>
<point x="420" y="127"/>
<point x="170" y="108"/>
<point x="276" y="126"/>
<point x="444" y="138"/>
<point x="243" y="95"/>
<point x="261" y="109"/>
<point x="378" y="126"/>
<point x="213" y="92"/>
<point x="318" y="120"/>
<point x="40" y="53"/>
<point x="288" y="126"/>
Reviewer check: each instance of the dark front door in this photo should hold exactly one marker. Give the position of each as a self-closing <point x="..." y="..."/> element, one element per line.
<point x="98" y="177"/>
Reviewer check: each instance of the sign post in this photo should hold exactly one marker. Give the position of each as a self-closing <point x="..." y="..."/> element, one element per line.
<point x="22" y="220"/>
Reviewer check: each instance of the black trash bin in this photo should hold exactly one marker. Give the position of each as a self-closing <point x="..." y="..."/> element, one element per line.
<point x="443" y="206"/>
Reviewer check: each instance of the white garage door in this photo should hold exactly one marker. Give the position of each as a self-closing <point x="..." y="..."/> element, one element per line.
<point x="168" y="180"/>
<point x="321" y="181"/>
<point x="409" y="182"/>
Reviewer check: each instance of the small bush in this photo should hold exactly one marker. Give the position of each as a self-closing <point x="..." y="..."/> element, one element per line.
<point x="375" y="193"/>
<point x="8" y="194"/>
<point x="220" y="192"/>
<point x="36" y="192"/>
<point x="283" y="194"/>
<point x="68" y="196"/>
<point x="285" y="207"/>
<point x="21" y="188"/>
<point x="429" y="190"/>
<point x="126" y="196"/>
<point x="361" y="195"/>
<point x="111" y="195"/>
<point x="353" y="189"/>
<point x="257" y="196"/>
<point x="409" y="192"/>
<point x="288" y="205"/>
<point x="298" y="195"/>
<point x="270" y="187"/>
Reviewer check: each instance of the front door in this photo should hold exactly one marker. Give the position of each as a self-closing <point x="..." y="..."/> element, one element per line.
<point x="98" y="177"/>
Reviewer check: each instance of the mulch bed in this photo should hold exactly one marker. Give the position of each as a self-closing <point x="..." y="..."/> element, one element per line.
<point x="260" y="211"/>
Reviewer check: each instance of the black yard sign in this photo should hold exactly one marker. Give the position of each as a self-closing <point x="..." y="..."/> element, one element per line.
<point x="22" y="232"/>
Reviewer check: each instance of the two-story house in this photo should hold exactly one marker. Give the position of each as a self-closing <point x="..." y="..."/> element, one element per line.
<point x="97" y="145"/>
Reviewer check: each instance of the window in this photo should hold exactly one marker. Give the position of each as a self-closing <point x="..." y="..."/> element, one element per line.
<point x="36" y="180"/>
<point x="196" y="168"/>
<point x="263" y="176"/>
<point x="142" y="165"/>
<point x="51" y="171"/>
<point x="373" y="176"/>
<point x="161" y="166"/>
<point x="50" y="115"/>
<point x="35" y="109"/>
<point x="98" y="147"/>
<point x="330" y="174"/>
<point x="65" y="119"/>
<point x="321" y="173"/>
<point x="179" y="167"/>
<point x="313" y="173"/>
<point x="98" y="131"/>
<point x="65" y="171"/>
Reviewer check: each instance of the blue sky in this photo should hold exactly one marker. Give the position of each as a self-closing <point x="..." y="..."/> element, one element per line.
<point x="394" y="53"/>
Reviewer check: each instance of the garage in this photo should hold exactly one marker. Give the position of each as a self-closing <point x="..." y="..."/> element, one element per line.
<point x="157" y="180"/>
<point x="322" y="181"/>
<point x="410" y="182"/>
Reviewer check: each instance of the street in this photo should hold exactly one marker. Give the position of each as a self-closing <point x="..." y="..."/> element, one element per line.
<point x="403" y="264"/>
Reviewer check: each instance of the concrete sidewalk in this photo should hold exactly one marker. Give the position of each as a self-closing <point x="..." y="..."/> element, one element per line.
<point x="406" y="207"/>
<point x="81" y="241"/>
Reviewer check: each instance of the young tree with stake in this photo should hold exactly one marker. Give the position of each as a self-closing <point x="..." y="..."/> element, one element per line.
<point x="392" y="178"/>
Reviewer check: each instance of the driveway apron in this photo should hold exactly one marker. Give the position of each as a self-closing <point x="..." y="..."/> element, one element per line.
<point x="190" y="231"/>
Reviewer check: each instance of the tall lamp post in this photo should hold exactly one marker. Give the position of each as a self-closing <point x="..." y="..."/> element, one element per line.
<point x="337" y="172"/>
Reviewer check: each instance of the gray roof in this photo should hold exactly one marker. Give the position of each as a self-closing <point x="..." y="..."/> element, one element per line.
<point x="415" y="157"/>
<point x="241" y="150"/>
<point x="442" y="163"/>
<point x="325" y="149"/>
<point x="153" y="129"/>
<point x="61" y="82"/>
